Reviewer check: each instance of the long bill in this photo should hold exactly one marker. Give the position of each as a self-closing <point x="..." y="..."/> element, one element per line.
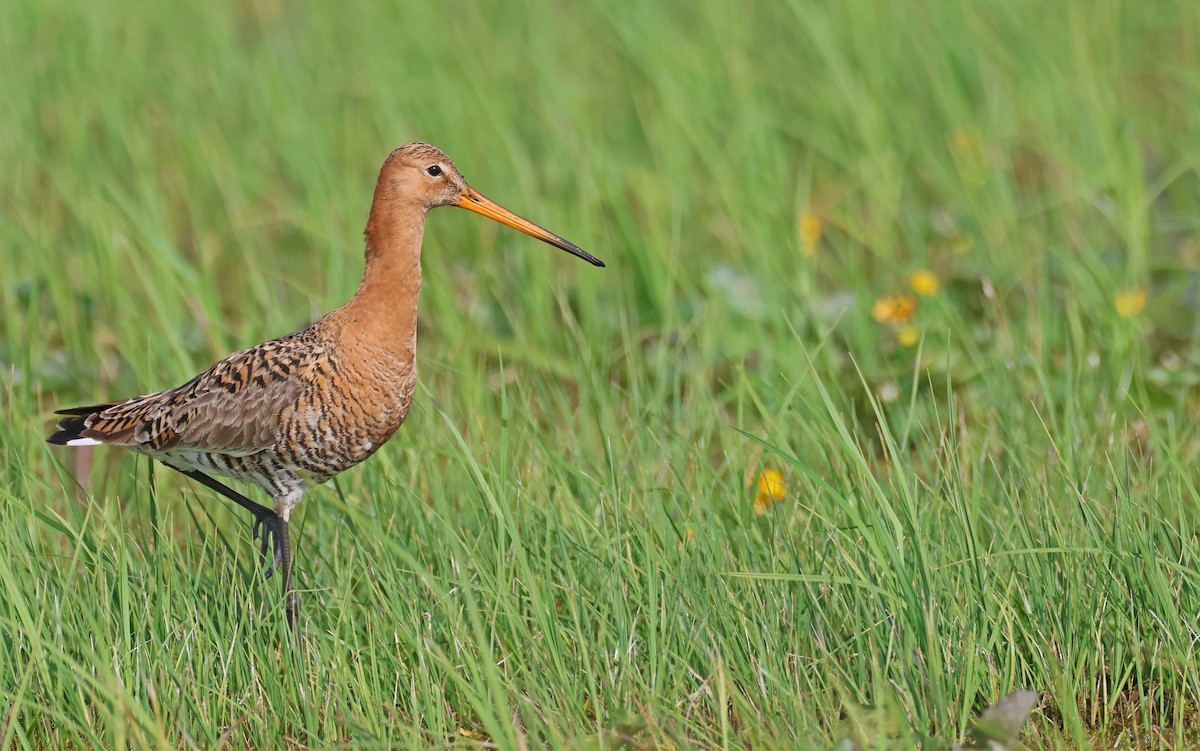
<point x="473" y="200"/>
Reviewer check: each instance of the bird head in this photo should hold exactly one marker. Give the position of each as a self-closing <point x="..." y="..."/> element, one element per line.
<point x="421" y="175"/>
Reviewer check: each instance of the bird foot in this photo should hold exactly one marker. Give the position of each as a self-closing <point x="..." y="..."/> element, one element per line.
<point x="269" y="529"/>
<point x="272" y="530"/>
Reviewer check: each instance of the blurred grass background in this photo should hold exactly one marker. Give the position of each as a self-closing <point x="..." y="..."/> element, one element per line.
<point x="987" y="486"/>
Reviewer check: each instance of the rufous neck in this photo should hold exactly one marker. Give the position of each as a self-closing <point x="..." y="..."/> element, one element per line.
<point x="385" y="306"/>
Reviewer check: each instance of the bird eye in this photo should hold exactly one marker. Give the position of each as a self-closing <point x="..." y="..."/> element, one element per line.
<point x="433" y="171"/>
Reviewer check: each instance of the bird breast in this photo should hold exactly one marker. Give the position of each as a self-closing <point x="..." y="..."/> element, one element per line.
<point x="350" y="408"/>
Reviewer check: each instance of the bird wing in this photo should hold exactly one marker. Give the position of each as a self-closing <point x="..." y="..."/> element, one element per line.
<point x="234" y="407"/>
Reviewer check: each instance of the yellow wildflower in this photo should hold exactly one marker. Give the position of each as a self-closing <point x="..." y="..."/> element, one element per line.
<point x="908" y="336"/>
<point x="1131" y="301"/>
<point x="895" y="309"/>
<point x="770" y="490"/>
<point x="924" y="282"/>
<point x="810" y="232"/>
<point x="963" y="141"/>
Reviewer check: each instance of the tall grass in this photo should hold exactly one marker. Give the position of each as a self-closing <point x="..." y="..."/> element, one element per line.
<point x="559" y="548"/>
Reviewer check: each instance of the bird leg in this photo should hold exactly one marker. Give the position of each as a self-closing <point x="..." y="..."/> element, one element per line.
<point x="275" y="528"/>
<point x="269" y="527"/>
<point x="291" y="601"/>
<point x="271" y="531"/>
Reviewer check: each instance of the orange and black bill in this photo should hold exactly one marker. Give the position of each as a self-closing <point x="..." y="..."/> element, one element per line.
<point x="472" y="200"/>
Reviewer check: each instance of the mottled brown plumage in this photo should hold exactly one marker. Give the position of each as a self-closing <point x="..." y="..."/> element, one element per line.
<point x="295" y="411"/>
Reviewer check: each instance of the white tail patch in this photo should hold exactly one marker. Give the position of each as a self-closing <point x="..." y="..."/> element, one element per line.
<point x="84" y="442"/>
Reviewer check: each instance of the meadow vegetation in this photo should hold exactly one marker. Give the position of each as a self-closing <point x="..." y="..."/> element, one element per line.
<point x="884" y="407"/>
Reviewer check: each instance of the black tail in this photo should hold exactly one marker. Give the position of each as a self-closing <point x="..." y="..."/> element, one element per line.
<point x="72" y="427"/>
<point x="85" y="411"/>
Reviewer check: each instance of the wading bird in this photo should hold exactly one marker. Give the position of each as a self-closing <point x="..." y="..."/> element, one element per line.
<point x="295" y="411"/>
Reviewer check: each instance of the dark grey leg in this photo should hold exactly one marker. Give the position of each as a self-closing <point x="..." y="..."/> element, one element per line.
<point x="271" y="530"/>
<point x="291" y="601"/>
<point x="266" y="522"/>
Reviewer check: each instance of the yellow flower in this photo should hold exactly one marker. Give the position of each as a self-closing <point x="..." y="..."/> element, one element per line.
<point x="963" y="141"/>
<point x="770" y="490"/>
<point x="1131" y="301"/>
<point x="908" y="336"/>
<point x="895" y="309"/>
<point x="810" y="232"/>
<point x="924" y="282"/>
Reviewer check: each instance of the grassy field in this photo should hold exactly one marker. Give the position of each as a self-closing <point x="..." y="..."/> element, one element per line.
<point x="921" y="279"/>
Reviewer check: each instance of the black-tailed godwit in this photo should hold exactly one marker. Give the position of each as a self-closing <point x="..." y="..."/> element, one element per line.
<point x="295" y="411"/>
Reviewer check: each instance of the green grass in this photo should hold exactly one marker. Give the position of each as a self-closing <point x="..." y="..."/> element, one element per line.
<point x="559" y="548"/>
